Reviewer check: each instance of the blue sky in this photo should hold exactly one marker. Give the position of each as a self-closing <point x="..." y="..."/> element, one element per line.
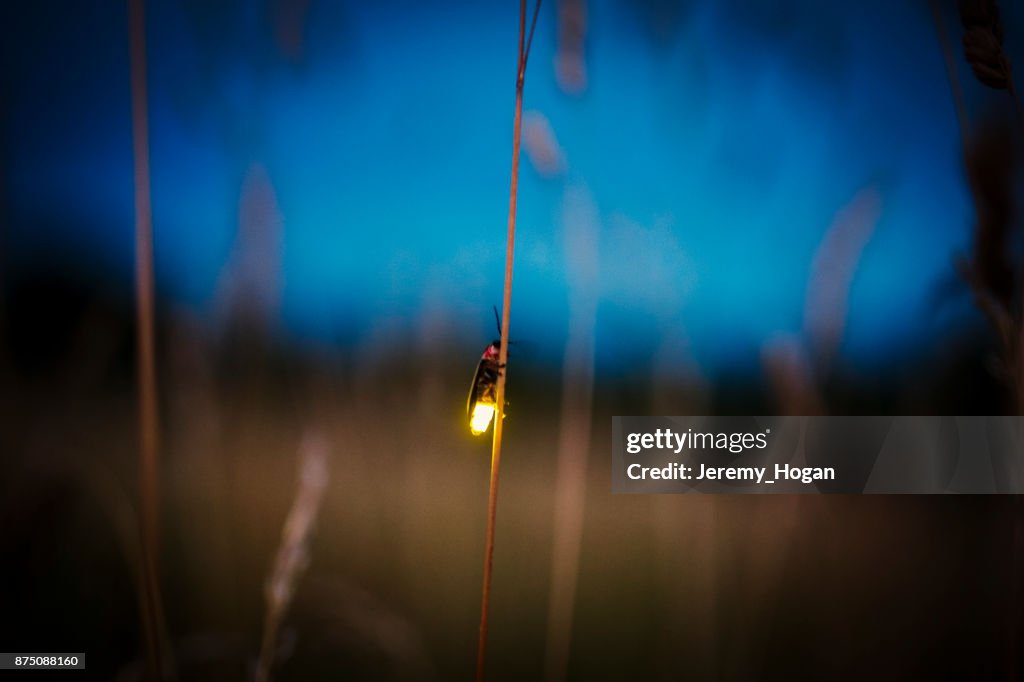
<point x="713" y="147"/>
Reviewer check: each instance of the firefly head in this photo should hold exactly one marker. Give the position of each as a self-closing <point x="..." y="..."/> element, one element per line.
<point x="492" y="351"/>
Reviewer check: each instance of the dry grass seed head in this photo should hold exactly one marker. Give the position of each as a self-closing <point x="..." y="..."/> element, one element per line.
<point x="983" y="43"/>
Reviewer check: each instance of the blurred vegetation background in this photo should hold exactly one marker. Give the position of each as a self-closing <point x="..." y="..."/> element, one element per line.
<point x="740" y="207"/>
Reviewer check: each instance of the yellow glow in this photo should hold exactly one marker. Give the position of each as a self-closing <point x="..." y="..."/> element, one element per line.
<point x="481" y="419"/>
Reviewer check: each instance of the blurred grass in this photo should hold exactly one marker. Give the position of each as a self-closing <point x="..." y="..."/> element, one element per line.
<point x="701" y="587"/>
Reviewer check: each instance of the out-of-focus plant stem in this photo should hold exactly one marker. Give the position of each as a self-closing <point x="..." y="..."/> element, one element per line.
<point x="954" y="81"/>
<point x="149" y="482"/>
<point x="293" y="553"/>
<point x="582" y="265"/>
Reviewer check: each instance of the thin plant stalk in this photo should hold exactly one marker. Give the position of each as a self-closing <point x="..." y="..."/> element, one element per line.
<point x="994" y="302"/>
<point x="149" y="487"/>
<point x="951" y="75"/>
<point x="492" y="497"/>
<point x="574" y="437"/>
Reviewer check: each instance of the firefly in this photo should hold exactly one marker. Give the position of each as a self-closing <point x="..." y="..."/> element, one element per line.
<point x="483" y="393"/>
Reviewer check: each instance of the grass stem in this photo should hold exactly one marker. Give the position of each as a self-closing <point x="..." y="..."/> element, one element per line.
<point x="149" y="487"/>
<point x="506" y="305"/>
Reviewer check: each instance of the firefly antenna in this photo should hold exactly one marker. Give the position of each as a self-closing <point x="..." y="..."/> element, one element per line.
<point x="497" y="320"/>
